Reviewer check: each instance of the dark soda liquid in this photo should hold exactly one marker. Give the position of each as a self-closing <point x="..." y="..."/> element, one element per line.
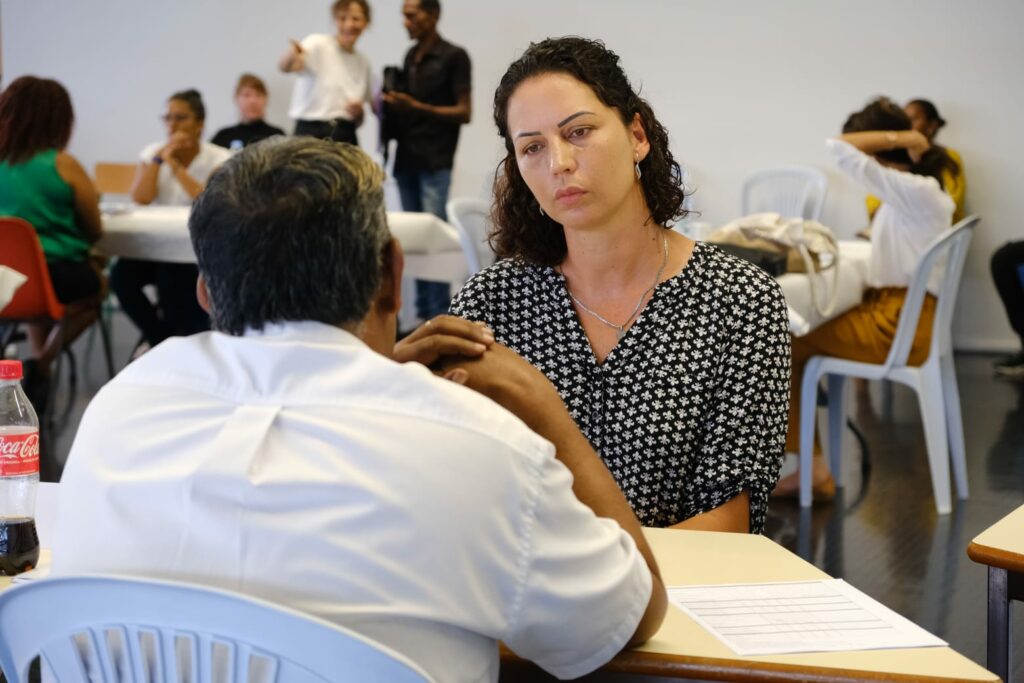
<point x="19" y="545"/>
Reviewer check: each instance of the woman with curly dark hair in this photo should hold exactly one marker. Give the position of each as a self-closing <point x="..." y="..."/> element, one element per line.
<point x="672" y="357"/>
<point x="43" y="184"/>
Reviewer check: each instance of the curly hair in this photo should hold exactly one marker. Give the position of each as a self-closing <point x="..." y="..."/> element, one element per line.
<point x="520" y="231"/>
<point x="882" y="113"/>
<point x="35" y="115"/>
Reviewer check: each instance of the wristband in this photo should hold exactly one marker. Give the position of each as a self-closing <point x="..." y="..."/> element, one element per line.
<point x="157" y="160"/>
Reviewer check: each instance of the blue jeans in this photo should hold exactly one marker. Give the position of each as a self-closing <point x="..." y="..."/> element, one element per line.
<point x="427" y="191"/>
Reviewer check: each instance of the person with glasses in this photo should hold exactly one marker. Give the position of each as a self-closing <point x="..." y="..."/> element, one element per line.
<point x="171" y="172"/>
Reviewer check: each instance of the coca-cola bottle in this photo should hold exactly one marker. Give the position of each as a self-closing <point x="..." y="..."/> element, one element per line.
<point x="19" y="473"/>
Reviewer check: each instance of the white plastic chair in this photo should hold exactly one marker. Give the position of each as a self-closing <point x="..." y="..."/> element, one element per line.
<point x="126" y="630"/>
<point x="471" y="217"/>
<point x="934" y="381"/>
<point x="792" y="191"/>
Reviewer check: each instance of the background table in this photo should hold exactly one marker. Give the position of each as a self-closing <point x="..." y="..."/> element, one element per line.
<point x="433" y="252"/>
<point x="160" y="233"/>
<point x="685" y="650"/>
<point x="1001" y="547"/>
<point x="854" y="258"/>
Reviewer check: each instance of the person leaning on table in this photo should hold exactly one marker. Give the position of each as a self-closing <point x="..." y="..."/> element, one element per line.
<point x="170" y="173"/>
<point x="879" y="149"/>
<point x="671" y="356"/>
<point x="297" y="454"/>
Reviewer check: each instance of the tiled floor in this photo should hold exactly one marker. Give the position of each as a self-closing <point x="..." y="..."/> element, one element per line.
<point x="884" y="535"/>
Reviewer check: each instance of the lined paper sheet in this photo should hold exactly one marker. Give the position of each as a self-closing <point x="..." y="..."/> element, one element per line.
<point x="801" y="616"/>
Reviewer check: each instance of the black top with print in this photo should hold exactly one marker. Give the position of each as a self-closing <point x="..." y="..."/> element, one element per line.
<point x="690" y="407"/>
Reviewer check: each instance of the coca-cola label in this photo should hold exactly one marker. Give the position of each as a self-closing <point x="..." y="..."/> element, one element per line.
<point x="19" y="454"/>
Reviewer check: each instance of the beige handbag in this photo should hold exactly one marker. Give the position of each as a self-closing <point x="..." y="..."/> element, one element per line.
<point x="809" y="247"/>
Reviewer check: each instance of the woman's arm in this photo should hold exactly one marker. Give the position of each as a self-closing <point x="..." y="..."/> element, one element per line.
<point x="909" y="193"/>
<point x="87" y="206"/>
<point x="732" y="516"/>
<point x="292" y="60"/>
<point x="144" y="185"/>
<point x="875" y="141"/>
<point x="523" y="390"/>
<point x="191" y="186"/>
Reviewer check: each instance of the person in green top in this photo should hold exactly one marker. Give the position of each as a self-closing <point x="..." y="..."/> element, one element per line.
<point x="46" y="186"/>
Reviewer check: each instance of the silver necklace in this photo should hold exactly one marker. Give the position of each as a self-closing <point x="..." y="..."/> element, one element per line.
<point x="620" y="330"/>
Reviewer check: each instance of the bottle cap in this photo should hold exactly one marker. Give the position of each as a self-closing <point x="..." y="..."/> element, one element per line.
<point x="10" y="369"/>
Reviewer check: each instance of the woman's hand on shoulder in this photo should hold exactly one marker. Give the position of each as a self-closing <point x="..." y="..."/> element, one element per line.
<point x="444" y="335"/>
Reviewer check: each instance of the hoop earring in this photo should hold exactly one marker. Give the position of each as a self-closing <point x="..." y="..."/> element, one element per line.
<point x="541" y="209"/>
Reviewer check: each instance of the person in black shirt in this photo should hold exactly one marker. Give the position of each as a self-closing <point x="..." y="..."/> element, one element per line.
<point x="426" y="115"/>
<point x="251" y="98"/>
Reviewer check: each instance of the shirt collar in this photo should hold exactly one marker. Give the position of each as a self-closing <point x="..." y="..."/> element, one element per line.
<point x="304" y="330"/>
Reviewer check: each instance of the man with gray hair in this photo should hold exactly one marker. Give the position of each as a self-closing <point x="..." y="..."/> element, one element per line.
<point x="287" y="455"/>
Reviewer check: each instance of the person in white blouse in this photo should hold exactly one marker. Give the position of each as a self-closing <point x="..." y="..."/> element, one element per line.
<point x="171" y="172"/>
<point x="333" y="84"/>
<point x="880" y="150"/>
<point x="298" y="454"/>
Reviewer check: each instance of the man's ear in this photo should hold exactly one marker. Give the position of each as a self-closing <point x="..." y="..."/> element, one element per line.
<point x="203" y="294"/>
<point x="389" y="296"/>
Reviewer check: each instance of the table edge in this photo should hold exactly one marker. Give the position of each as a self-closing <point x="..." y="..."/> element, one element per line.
<point x="742" y="671"/>
<point x="995" y="557"/>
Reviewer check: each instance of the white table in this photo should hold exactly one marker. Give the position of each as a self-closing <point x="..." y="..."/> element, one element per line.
<point x="854" y="257"/>
<point x="160" y="233"/>
<point x="433" y="252"/>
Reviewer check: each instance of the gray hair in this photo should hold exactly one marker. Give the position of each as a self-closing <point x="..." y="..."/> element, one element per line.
<point x="291" y="229"/>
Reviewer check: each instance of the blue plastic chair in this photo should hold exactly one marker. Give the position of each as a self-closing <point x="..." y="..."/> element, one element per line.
<point x="126" y="630"/>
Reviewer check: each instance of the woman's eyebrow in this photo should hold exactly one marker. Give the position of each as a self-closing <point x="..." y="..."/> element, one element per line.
<point x="561" y="123"/>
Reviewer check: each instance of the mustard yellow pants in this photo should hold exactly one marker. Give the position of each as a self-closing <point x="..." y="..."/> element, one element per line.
<point x="865" y="334"/>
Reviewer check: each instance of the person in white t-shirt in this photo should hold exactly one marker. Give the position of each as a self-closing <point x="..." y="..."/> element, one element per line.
<point x="299" y="455"/>
<point x="334" y="79"/>
<point x="170" y="173"/>
<point x="880" y="150"/>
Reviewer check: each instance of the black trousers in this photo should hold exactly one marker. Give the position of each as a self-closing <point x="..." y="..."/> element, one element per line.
<point x="177" y="312"/>
<point x="338" y="130"/>
<point x="1008" y="274"/>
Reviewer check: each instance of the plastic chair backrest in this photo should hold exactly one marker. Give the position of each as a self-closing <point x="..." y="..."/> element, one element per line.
<point x="127" y="630"/>
<point x="114" y="178"/>
<point x="471" y="217"/>
<point x="20" y="250"/>
<point x="952" y="244"/>
<point x="792" y="191"/>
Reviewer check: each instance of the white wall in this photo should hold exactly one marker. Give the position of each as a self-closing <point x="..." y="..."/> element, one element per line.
<point x="741" y="84"/>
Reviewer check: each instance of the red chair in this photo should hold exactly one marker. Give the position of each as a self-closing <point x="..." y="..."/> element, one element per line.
<point x="35" y="301"/>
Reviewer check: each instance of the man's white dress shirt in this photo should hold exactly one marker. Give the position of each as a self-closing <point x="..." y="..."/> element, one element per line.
<point x="301" y="467"/>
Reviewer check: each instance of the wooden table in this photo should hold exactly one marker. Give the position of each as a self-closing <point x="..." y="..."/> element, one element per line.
<point x="682" y="649"/>
<point x="1001" y="547"/>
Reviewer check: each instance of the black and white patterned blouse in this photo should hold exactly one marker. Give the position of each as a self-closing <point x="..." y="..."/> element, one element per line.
<point x="690" y="408"/>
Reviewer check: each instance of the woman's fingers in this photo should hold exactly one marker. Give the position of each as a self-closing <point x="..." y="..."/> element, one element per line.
<point x="445" y="335"/>
<point x="453" y="326"/>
